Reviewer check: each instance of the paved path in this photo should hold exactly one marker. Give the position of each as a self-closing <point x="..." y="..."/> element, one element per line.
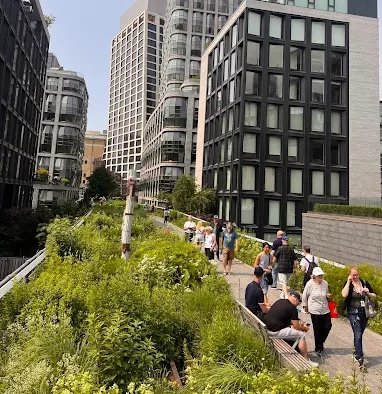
<point x="339" y="345"/>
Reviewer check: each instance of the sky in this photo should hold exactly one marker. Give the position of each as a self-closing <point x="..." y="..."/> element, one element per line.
<point x="81" y="37"/>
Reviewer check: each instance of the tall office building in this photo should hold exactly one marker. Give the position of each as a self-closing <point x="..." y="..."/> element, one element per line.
<point x="170" y="135"/>
<point x="136" y="54"/>
<point x="289" y="112"/>
<point x="61" y="139"/>
<point x="24" y="42"/>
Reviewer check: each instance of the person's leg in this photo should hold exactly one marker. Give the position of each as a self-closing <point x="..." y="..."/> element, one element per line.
<point x="303" y="348"/>
<point x="355" y="323"/>
<point x="318" y="328"/>
<point x="327" y="322"/>
<point x="225" y="259"/>
<point x="283" y="279"/>
<point x="275" y="272"/>
<point x="230" y="260"/>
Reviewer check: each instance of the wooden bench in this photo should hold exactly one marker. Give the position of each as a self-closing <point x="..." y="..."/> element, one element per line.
<point x="286" y="354"/>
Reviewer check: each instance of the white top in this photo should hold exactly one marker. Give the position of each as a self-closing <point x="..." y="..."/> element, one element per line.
<point x="306" y="259"/>
<point x="315" y="297"/>
<point x="189" y="227"/>
<point x="166" y="213"/>
<point x="209" y="240"/>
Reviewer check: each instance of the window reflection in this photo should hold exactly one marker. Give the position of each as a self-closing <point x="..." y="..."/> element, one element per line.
<point x="173" y="146"/>
<point x="175" y="112"/>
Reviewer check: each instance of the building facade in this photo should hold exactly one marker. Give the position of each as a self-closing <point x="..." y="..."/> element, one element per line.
<point x="169" y="143"/>
<point x="136" y="54"/>
<point x="95" y="143"/>
<point x="61" y="139"/>
<point x="24" y="43"/>
<point x="289" y="112"/>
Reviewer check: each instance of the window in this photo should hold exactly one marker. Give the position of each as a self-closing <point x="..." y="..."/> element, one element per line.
<point x="253" y="53"/>
<point x="196" y="46"/>
<point x="247" y="211"/>
<point x="274" y="148"/>
<point x="318" y="32"/>
<point x="68" y="141"/>
<point x="336" y="63"/>
<point x="50" y="107"/>
<point x="248" y="178"/>
<point x="318" y="86"/>
<point x="276" y="56"/>
<point x="276" y="27"/>
<point x="318" y="120"/>
<point x="297" y="59"/>
<point x="178" y="44"/>
<point x="228" y="179"/>
<point x="52" y="83"/>
<point x="274" y="213"/>
<point x="198" y="4"/>
<point x="234" y="35"/>
<point x="336" y="122"/>
<point x="318" y="183"/>
<point x="273" y="116"/>
<point x="249" y="143"/>
<point x="252" y="83"/>
<point x="233" y="63"/>
<point x="317" y="61"/>
<point x="338" y="36"/>
<point x="194" y="69"/>
<point x="175" y="112"/>
<point x="317" y="151"/>
<point x="72" y="110"/>
<point x="251" y="114"/>
<point x="211" y="5"/>
<point x="173" y="146"/>
<point x="336" y="93"/>
<point x="275" y="86"/>
<point x="335" y="184"/>
<point x="222" y="19"/>
<point x="175" y="69"/>
<point x="179" y="20"/>
<point x="296" y="88"/>
<point x="46" y="139"/>
<point x="210" y="27"/>
<point x="297" y="30"/>
<point x="295" y="186"/>
<point x="72" y="85"/>
<point x="296" y="121"/>
<point x="292" y="149"/>
<point x="291" y="213"/>
<point x="335" y="153"/>
<point x="197" y="22"/>
<point x="254" y="24"/>
<point x="226" y="69"/>
<point x="232" y="91"/>
<point x="230" y="120"/>
<point x="270" y="179"/>
<point x="223" y="6"/>
<point x="221" y="50"/>
<point x="229" y="149"/>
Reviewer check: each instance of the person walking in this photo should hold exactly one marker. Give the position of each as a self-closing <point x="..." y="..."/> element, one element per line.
<point x="276" y="244"/>
<point x="209" y="243"/>
<point x="287" y="261"/>
<point x="189" y="229"/>
<point x="315" y="300"/>
<point x="254" y="296"/>
<point x="217" y="230"/>
<point x="264" y="260"/>
<point x="200" y="230"/>
<point x="308" y="263"/>
<point x="229" y="244"/>
<point x="355" y="291"/>
<point x="166" y="215"/>
<point x="282" y="321"/>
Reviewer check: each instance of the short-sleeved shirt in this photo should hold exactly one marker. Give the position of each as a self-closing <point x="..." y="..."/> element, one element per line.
<point x="285" y="256"/>
<point x="276" y="244"/>
<point x="229" y="239"/>
<point x="166" y="213"/>
<point x="253" y="297"/>
<point x="306" y="260"/>
<point x="280" y="315"/>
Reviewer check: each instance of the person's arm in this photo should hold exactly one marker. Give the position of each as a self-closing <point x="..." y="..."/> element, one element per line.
<point x="345" y="290"/>
<point x="303" y="265"/>
<point x="213" y="242"/>
<point x="299" y="326"/>
<point x="185" y="227"/>
<point x="305" y="296"/>
<point x="370" y="291"/>
<point x="236" y="245"/>
<point x="221" y="242"/>
<point x="257" y="261"/>
<point x="264" y="307"/>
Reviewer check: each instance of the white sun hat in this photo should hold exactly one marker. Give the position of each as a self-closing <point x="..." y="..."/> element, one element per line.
<point x="317" y="271"/>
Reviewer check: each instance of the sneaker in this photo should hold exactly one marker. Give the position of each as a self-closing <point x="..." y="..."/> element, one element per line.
<point x="318" y="353"/>
<point x="225" y="273"/>
<point x="313" y="364"/>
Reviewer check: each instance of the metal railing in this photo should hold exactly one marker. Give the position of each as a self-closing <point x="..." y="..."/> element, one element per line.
<point x="29" y="266"/>
<point x="10" y="264"/>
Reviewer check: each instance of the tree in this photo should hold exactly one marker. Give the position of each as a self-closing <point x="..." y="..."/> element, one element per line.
<point x="166" y="198"/>
<point x="102" y="183"/>
<point x="203" y="201"/>
<point x="49" y="20"/>
<point x="184" y="191"/>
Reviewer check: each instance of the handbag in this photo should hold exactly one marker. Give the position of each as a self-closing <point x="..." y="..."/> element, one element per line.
<point x="369" y="307"/>
<point x="333" y="310"/>
<point x="269" y="279"/>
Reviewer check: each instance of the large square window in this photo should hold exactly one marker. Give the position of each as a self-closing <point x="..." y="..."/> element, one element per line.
<point x="252" y="83"/>
<point x="336" y="63"/>
<point x="317" y="151"/>
<point x="276" y="27"/>
<point x="318" y="90"/>
<point x="338" y="36"/>
<point x="274" y="148"/>
<point x="317" y="61"/>
<point x="274" y="213"/>
<point x="253" y="53"/>
<point x="249" y="143"/>
<point x="247" y="211"/>
<point x="318" y="32"/>
<point x="318" y="120"/>
<point x="336" y="93"/>
<point x="297" y="59"/>
<point x="275" y="86"/>
<point x="296" y="88"/>
<point x="295" y="185"/>
<point x="318" y="183"/>
<point x="248" y="178"/>
<point x="292" y="149"/>
<point x="276" y="56"/>
<point x="296" y="118"/>
<point x="336" y="127"/>
<point x="251" y="114"/>
<point x="270" y="179"/>
<point x="273" y="112"/>
<point x="254" y="24"/>
<point x="335" y="184"/>
<point x="297" y="30"/>
<point x="291" y="213"/>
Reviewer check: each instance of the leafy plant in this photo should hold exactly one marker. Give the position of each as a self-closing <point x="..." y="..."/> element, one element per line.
<point x="351" y="210"/>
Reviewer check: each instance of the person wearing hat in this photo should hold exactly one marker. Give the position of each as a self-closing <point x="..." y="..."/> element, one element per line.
<point x="254" y="295"/>
<point x="282" y="321"/>
<point x="315" y="299"/>
<point x="287" y="264"/>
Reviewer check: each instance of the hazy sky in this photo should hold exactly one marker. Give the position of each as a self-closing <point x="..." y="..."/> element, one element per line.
<point x="80" y="38"/>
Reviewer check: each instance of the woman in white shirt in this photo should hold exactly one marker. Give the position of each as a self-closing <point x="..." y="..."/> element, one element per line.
<point x="209" y="243"/>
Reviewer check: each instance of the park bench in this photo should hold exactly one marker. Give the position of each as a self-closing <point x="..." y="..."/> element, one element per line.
<point x="286" y="354"/>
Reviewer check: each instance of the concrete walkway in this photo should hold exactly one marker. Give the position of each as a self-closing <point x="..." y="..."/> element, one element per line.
<point x="339" y="345"/>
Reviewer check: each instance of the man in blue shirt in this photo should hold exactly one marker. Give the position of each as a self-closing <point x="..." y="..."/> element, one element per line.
<point x="229" y="244"/>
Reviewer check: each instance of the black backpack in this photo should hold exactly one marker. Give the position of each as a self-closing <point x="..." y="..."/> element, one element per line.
<point x="308" y="274"/>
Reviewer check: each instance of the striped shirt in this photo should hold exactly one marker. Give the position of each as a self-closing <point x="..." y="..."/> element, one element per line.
<point x="315" y="297"/>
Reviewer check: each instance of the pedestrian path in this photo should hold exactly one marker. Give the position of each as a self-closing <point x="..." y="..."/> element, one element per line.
<point x="339" y="345"/>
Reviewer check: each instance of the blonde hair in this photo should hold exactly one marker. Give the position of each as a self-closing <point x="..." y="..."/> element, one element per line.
<point x="353" y="268"/>
<point x="199" y="225"/>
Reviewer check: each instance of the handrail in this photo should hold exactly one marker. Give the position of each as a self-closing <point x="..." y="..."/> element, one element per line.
<point x="25" y="270"/>
<point x="297" y="251"/>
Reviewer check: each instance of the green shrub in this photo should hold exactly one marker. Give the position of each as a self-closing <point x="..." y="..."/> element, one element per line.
<point x="248" y="250"/>
<point x="351" y="210"/>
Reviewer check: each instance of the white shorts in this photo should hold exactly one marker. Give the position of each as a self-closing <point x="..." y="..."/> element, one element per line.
<point x="284" y="278"/>
<point x="287" y="333"/>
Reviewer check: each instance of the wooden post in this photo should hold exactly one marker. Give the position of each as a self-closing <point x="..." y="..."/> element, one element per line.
<point x="127" y="219"/>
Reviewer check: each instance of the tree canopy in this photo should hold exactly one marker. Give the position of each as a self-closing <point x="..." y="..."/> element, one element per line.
<point x="102" y="183"/>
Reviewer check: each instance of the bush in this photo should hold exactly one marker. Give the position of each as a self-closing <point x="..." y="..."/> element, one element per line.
<point x="351" y="210"/>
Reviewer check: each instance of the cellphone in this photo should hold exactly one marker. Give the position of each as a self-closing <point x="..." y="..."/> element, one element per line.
<point x="308" y="324"/>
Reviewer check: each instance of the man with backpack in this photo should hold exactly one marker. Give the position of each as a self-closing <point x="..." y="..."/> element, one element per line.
<point x="308" y="263"/>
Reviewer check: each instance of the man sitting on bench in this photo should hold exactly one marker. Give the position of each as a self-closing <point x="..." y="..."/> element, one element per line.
<point x="282" y="322"/>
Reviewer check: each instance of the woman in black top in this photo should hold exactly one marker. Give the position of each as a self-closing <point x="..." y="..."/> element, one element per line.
<point x="354" y="292"/>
